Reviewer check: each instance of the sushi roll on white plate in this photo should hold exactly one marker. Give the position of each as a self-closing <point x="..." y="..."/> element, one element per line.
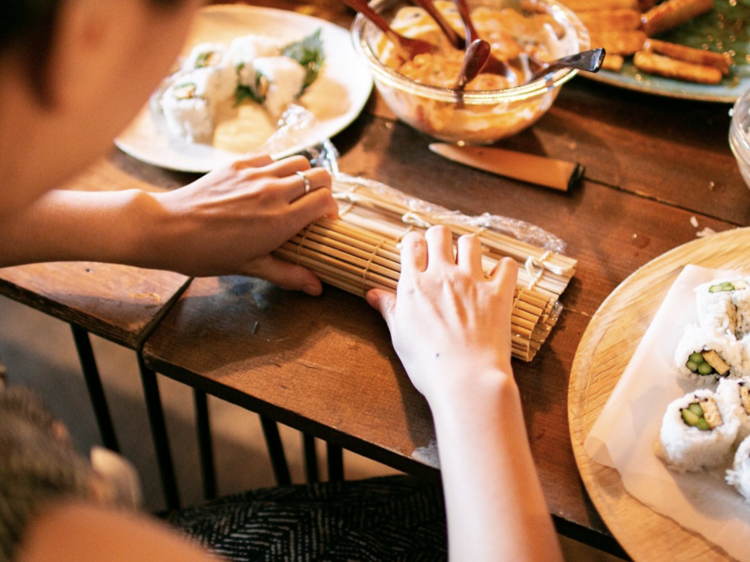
<point x="278" y="82"/>
<point x="724" y="305"/>
<point x="244" y="50"/>
<point x="189" y="103"/>
<point x="697" y="432"/>
<point x="707" y="354"/>
<point x="739" y="475"/>
<point x="205" y="55"/>
<point x="735" y="393"/>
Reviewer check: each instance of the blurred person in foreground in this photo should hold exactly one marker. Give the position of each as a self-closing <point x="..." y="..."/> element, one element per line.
<point x="73" y="73"/>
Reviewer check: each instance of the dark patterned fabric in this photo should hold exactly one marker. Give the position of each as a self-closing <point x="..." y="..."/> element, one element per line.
<point x="392" y="519"/>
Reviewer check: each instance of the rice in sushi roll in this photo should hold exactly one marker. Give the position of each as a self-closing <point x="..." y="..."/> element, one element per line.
<point x="704" y="353"/>
<point x="735" y="393"/>
<point x="188" y="104"/>
<point x="724" y="305"/>
<point x="739" y="475"/>
<point x="697" y="432"/>
<point x="244" y="50"/>
<point x="278" y="82"/>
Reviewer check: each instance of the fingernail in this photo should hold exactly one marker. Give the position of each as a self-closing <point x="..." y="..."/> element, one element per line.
<point x="312" y="290"/>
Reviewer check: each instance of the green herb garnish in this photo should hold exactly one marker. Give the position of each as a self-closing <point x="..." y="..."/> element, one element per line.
<point x="309" y="53"/>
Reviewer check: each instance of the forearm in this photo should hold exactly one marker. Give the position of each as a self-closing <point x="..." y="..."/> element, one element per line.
<point x="496" y="508"/>
<point x="73" y="225"/>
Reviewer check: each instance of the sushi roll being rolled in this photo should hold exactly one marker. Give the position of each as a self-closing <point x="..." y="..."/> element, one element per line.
<point x="697" y="432"/>
<point x="707" y="354"/>
<point x="735" y="393"/>
<point x="739" y="475"/>
<point x="278" y="82"/>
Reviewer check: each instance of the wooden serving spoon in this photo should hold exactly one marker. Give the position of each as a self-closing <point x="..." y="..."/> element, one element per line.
<point x="494" y="65"/>
<point x="454" y="38"/>
<point x="477" y="55"/>
<point x="408" y="48"/>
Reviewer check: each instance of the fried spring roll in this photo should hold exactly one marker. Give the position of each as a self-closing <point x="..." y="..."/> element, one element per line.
<point x="587" y="5"/>
<point x="618" y="42"/>
<point x="664" y="66"/>
<point x="688" y="54"/>
<point x="613" y="62"/>
<point x="672" y="13"/>
<point x="611" y="20"/>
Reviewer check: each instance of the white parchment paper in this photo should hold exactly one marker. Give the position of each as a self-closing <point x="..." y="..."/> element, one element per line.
<point x="624" y="435"/>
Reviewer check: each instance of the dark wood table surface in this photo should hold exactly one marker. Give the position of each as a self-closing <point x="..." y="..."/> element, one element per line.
<point x="326" y="366"/>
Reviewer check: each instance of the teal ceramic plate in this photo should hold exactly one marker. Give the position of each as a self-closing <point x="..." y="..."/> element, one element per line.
<point x="725" y="28"/>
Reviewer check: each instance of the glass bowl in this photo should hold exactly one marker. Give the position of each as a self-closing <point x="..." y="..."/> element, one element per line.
<point x="482" y="116"/>
<point x="739" y="139"/>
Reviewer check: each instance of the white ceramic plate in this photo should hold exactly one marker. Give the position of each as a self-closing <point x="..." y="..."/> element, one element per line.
<point x="336" y="98"/>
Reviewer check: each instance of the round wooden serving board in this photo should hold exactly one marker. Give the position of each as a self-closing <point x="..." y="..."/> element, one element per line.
<point x="605" y="350"/>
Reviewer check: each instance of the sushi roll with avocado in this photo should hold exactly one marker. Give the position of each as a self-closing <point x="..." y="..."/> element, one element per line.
<point x="707" y="354"/>
<point x="244" y="50"/>
<point x="739" y="475"/>
<point x="189" y="103"/>
<point x="697" y="432"/>
<point x="724" y="305"/>
<point x="205" y="55"/>
<point x="278" y="82"/>
<point x="735" y="393"/>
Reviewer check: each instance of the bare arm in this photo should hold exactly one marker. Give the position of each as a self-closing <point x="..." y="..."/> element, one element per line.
<point x="227" y="222"/>
<point x="85" y="533"/>
<point x="451" y="329"/>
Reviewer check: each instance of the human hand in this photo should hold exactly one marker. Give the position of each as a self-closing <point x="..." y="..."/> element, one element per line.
<point x="449" y="323"/>
<point x="230" y="220"/>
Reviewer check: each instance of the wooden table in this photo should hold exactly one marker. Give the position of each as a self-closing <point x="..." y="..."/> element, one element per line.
<point x="326" y="366"/>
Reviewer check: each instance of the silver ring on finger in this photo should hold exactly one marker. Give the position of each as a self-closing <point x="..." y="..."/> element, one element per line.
<point x="306" y="181"/>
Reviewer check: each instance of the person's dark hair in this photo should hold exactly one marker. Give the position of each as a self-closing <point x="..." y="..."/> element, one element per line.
<point x="28" y="26"/>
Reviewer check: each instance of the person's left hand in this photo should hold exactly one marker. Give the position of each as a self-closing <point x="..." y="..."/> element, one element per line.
<point x="230" y="220"/>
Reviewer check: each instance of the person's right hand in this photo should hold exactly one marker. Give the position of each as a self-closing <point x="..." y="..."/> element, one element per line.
<point x="449" y="323"/>
<point x="230" y="220"/>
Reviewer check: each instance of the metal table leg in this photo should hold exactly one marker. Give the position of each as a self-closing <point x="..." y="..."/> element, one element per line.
<point x="311" y="458"/>
<point x="159" y="434"/>
<point x="205" y="444"/>
<point x="94" y="385"/>
<point x="276" y="451"/>
<point x="335" y="463"/>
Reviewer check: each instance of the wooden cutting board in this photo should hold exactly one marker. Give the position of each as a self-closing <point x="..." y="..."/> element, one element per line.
<point x="605" y="350"/>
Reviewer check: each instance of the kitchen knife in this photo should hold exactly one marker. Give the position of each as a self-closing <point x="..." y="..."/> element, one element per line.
<point x="539" y="170"/>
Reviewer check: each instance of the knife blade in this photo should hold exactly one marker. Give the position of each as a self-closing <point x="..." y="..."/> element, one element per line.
<point x="539" y="170"/>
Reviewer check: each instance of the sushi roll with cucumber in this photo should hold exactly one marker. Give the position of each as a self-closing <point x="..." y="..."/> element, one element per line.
<point x="724" y="305"/>
<point x="697" y="432"/>
<point x="278" y="82"/>
<point x="189" y="103"/>
<point x="205" y="55"/>
<point x="739" y="475"/>
<point x="707" y="354"/>
<point x="735" y="393"/>
<point x="244" y="50"/>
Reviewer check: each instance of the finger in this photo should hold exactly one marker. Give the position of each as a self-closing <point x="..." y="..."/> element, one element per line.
<point x="414" y="257"/>
<point x="469" y="254"/>
<point x="253" y="161"/>
<point x="288" y="166"/>
<point x="287" y="275"/>
<point x="439" y="246"/>
<point x="383" y="301"/>
<point x="505" y="275"/>
<point x="294" y="186"/>
<point x="316" y="204"/>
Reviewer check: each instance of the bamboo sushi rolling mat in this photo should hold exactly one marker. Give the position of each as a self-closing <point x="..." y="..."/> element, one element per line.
<point x="605" y="350"/>
<point x="359" y="251"/>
